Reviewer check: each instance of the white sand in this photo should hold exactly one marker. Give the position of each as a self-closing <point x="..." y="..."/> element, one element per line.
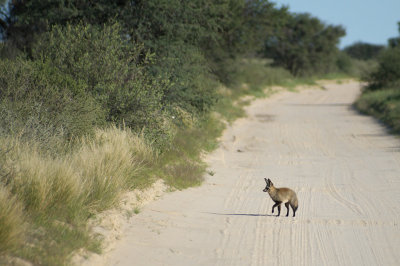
<point x="343" y="166"/>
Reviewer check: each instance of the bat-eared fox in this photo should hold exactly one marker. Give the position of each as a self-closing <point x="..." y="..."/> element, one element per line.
<point x="281" y="195"/>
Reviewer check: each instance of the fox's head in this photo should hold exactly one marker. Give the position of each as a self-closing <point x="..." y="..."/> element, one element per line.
<point x="269" y="184"/>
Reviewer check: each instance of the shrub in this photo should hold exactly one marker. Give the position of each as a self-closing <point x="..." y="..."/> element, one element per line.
<point x="344" y="63"/>
<point x="39" y="101"/>
<point x="191" y="86"/>
<point x="258" y="73"/>
<point x="363" y="51"/>
<point x="383" y="104"/>
<point x="114" y="71"/>
<point x="305" y="45"/>
<point x="388" y="71"/>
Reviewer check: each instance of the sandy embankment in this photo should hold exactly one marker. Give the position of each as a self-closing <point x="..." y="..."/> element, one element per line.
<point x="343" y="166"/>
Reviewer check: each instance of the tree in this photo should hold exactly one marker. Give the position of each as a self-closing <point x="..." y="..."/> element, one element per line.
<point x="32" y="17"/>
<point x="363" y="51"/>
<point x="395" y="41"/>
<point x="387" y="75"/>
<point x="304" y="45"/>
<point x="260" y="18"/>
<point x="4" y="15"/>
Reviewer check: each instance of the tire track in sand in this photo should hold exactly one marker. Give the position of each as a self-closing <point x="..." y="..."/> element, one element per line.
<point x="343" y="166"/>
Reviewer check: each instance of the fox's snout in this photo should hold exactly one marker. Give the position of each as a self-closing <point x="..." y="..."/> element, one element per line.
<point x="265" y="190"/>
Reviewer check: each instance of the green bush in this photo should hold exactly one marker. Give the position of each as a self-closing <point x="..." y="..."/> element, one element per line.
<point x="382" y="104"/>
<point x="388" y="71"/>
<point x="381" y="96"/>
<point x="344" y="63"/>
<point x="355" y="67"/>
<point x="258" y="73"/>
<point x="115" y="73"/>
<point x="191" y="86"/>
<point x="363" y="51"/>
<point x="305" y="45"/>
<point x="39" y="101"/>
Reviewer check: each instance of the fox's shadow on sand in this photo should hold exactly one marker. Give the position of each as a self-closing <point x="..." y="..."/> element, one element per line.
<point x="242" y="214"/>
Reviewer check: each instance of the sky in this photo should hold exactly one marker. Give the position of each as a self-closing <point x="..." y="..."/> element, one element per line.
<point x="369" y="21"/>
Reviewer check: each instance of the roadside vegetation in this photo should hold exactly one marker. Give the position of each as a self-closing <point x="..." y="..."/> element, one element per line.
<point x="381" y="95"/>
<point x="100" y="98"/>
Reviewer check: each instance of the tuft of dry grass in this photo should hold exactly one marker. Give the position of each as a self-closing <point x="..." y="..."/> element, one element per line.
<point x="60" y="193"/>
<point x="110" y="164"/>
<point x="11" y="221"/>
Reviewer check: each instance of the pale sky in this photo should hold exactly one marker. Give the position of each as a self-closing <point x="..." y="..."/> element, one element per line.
<point x="369" y="21"/>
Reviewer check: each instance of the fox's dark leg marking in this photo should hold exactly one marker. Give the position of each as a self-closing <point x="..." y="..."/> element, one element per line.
<point x="287" y="207"/>
<point x="294" y="211"/>
<point x="276" y="204"/>
<point x="279" y="209"/>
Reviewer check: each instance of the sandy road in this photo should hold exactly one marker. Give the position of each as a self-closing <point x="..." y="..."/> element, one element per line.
<point x="343" y="166"/>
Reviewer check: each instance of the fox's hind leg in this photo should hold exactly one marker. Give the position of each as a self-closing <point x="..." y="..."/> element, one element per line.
<point x="294" y="210"/>
<point x="287" y="208"/>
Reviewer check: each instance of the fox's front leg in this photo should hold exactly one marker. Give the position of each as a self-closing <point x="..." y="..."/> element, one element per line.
<point x="279" y="207"/>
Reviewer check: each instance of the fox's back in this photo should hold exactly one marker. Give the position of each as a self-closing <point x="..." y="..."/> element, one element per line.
<point x="283" y="195"/>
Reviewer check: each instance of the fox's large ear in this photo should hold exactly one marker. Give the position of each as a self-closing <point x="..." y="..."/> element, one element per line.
<point x="266" y="180"/>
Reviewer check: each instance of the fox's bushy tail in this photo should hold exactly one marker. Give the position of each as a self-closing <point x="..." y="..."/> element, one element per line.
<point x="294" y="203"/>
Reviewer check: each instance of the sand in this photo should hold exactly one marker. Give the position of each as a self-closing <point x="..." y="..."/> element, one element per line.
<point x="344" y="167"/>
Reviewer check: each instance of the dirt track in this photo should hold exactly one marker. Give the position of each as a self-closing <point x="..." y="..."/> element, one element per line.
<point x="343" y="166"/>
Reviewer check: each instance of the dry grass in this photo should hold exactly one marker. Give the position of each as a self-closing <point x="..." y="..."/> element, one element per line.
<point x="11" y="221"/>
<point x="66" y="190"/>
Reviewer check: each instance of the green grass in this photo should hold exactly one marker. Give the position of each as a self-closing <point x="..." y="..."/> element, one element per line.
<point x="382" y="104"/>
<point x="254" y="75"/>
<point x="182" y="167"/>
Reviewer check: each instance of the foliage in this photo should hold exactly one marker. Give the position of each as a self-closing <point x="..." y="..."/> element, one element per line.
<point x="257" y="74"/>
<point x="363" y="51"/>
<point x="81" y="77"/>
<point x="382" y="104"/>
<point x="39" y="101"/>
<point x="190" y="40"/>
<point x="113" y="71"/>
<point x="395" y="41"/>
<point x="3" y="18"/>
<point x="190" y="86"/>
<point x="181" y="166"/>
<point x="352" y="67"/>
<point x="27" y="19"/>
<point x="381" y="96"/>
<point x="344" y="63"/>
<point x="387" y="74"/>
<point x="388" y="71"/>
<point x="220" y="30"/>
<point x="258" y="20"/>
<point x="304" y="45"/>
